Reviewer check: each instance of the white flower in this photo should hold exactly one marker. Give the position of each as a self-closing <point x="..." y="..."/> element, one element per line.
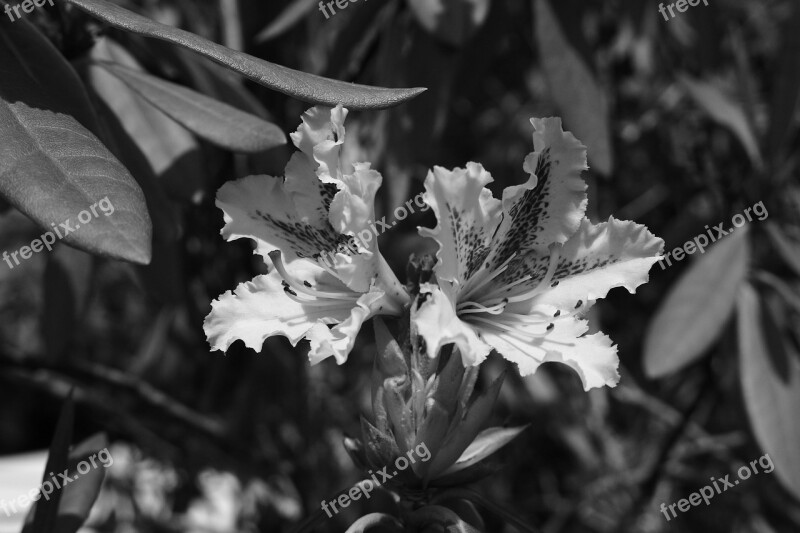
<point x="516" y="275"/>
<point x="315" y="211"/>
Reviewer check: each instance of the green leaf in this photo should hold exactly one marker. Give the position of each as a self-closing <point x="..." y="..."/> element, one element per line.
<point x="481" y="501"/>
<point x="447" y="520"/>
<point x="52" y="168"/>
<point x="371" y="520"/>
<point x="786" y="87"/>
<point x="452" y="21"/>
<point x="464" y="431"/>
<point x="468" y="512"/>
<point x="788" y="249"/>
<point x="771" y="399"/>
<point x="45" y="512"/>
<point x="697" y="307"/>
<point x="485" y="444"/>
<point x="113" y="134"/>
<point x="379" y="448"/>
<point x="218" y="123"/>
<point x="290" y="16"/>
<point x="78" y="496"/>
<point x="307" y="87"/>
<point x="725" y="112"/>
<point x="171" y="151"/>
<point x="580" y="100"/>
<point x="441" y="405"/>
<point x="209" y="78"/>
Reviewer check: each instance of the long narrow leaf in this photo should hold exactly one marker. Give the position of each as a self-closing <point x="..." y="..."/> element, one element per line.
<point x="290" y="16"/>
<point x="46" y="511"/>
<point x="579" y="98"/>
<point x="771" y="399"/>
<point x="725" y="112"/>
<point x="217" y="122"/>
<point x="697" y="307"/>
<point x="485" y="444"/>
<point x="307" y="87"/>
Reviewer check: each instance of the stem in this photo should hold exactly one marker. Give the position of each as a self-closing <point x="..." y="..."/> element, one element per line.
<point x="480" y="499"/>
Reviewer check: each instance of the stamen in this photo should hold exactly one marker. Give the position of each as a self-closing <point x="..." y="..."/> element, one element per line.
<point x="529" y="318"/>
<point x="275" y="255"/>
<point x="478" y="308"/>
<point x="478" y="282"/>
<point x="555" y="253"/>
<point x="505" y="327"/>
<point x="316" y="302"/>
<point x="496" y="293"/>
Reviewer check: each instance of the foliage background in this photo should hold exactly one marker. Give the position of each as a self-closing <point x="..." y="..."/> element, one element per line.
<point x="687" y="121"/>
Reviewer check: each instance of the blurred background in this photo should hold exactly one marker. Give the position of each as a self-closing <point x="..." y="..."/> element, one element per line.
<point x="688" y="120"/>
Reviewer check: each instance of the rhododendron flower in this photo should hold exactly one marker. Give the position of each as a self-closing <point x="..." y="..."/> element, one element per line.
<point x="316" y="209"/>
<point x="516" y="275"/>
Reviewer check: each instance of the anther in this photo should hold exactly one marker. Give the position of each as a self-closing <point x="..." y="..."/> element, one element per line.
<point x="277" y="261"/>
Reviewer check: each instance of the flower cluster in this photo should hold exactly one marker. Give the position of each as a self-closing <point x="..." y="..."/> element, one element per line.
<point x="515" y="274"/>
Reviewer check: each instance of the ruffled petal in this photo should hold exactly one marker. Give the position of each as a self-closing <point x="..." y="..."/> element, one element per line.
<point x="259" y="208"/>
<point x="437" y="322"/>
<point x="311" y="197"/>
<point x="593" y="357"/>
<point x="259" y="308"/>
<point x="467" y="216"/>
<point x="338" y="340"/>
<point x="548" y="208"/>
<point x="353" y="208"/>
<point x="617" y="253"/>
<point x="320" y="137"/>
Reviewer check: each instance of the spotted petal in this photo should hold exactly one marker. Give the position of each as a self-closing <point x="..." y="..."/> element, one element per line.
<point x="260" y="208"/>
<point x="467" y="216"/>
<point x="597" y="258"/>
<point x="593" y="357"/>
<point x="548" y="208"/>
<point x="260" y="308"/>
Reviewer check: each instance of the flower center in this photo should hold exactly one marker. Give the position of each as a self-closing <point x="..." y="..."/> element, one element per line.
<point x="543" y="285"/>
<point x="495" y="302"/>
<point x="304" y="292"/>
